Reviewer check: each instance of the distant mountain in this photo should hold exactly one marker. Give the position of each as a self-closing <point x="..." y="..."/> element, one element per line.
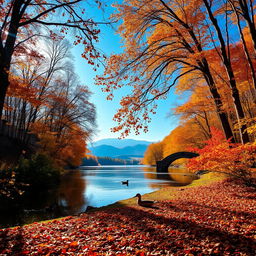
<point x="114" y="152"/>
<point x="117" y="143"/>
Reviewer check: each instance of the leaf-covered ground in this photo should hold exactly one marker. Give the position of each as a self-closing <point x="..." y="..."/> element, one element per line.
<point x="217" y="219"/>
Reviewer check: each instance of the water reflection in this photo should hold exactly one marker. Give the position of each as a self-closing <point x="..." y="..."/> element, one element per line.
<point x="174" y="177"/>
<point x="94" y="186"/>
<point x="71" y="193"/>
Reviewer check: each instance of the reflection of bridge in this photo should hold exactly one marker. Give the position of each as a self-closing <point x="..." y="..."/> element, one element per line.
<point x="162" y="166"/>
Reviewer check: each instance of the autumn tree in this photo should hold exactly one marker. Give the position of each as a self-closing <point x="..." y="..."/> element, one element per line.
<point x="199" y="109"/>
<point x="183" y="137"/>
<point x="31" y="82"/>
<point x="220" y="155"/>
<point x="244" y="11"/>
<point x="164" y="42"/>
<point x="45" y="98"/>
<point x="31" y="77"/>
<point x="186" y="135"/>
<point x="23" y="21"/>
<point x="226" y="60"/>
<point x="66" y="121"/>
<point x="153" y="153"/>
<point x="167" y="41"/>
<point x="245" y="88"/>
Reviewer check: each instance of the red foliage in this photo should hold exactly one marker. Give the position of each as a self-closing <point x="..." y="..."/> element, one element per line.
<point x="218" y="219"/>
<point x="220" y="155"/>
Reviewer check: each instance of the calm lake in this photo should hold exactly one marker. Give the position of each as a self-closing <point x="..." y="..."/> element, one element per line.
<point x="95" y="186"/>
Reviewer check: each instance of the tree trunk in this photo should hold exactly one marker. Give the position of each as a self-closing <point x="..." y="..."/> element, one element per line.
<point x="230" y="73"/>
<point x="4" y="83"/>
<point x="246" y="50"/>
<point x="7" y="51"/>
<point x="218" y="103"/>
<point x="249" y="20"/>
<point x="204" y="67"/>
<point x="207" y="123"/>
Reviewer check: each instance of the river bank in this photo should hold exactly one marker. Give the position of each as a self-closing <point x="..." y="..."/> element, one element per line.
<point x="208" y="217"/>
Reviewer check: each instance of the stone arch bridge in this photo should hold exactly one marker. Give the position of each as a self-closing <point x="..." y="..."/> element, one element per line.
<point x="162" y="166"/>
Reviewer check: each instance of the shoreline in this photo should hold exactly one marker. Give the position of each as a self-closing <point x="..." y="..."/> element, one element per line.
<point x="158" y="195"/>
<point x="212" y="216"/>
<point x="30" y="218"/>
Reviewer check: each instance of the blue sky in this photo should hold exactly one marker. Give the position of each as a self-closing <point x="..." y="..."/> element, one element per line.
<point x="110" y="43"/>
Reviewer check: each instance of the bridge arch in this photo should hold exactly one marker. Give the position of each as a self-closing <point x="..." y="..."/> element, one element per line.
<point x="162" y="166"/>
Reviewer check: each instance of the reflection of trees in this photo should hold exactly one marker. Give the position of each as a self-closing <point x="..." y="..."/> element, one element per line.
<point x="71" y="191"/>
<point x="149" y="173"/>
<point x="158" y="185"/>
<point x="181" y="175"/>
<point x="178" y="169"/>
<point x="67" y="199"/>
<point x="182" y="178"/>
<point x="175" y="176"/>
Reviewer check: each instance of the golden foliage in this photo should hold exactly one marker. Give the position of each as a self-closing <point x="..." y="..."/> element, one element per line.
<point x="153" y="153"/>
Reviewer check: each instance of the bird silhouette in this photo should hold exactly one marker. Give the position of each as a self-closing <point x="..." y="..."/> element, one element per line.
<point x="125" y="182"/>
<point x="145" y="203"/>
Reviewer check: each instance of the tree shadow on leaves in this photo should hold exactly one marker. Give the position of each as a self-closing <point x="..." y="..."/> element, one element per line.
<point x="174" y="233"/>
<point x="17" y="240"/>
<point x="201" y="209"/>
